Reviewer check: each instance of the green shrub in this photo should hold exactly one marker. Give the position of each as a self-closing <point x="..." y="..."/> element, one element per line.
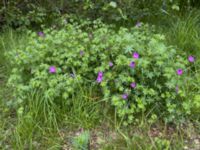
<point x="25" y="14"/>
<point x="30" y="13"/>
<point x="131" y="68"/>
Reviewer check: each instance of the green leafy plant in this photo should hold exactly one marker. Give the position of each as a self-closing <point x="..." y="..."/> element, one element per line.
<point x="162" y="144"/>
<point x="19" y="14"/>
<point x="81" y="142"/>
<point x="131" y="68"/>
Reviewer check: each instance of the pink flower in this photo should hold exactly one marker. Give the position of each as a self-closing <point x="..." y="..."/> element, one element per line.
<point x="125" y="96"/>
<point x="136" y="55"/>
<point x="110" y="64"/>
<point x="191" y="59"/>
<point x="179" y="71"/>
<point x="133" y="84"/>
<point x="52" y="69"/>
<point x="100" y="77"/>
<point x="132" y="64"/>
<point x="41" y="34"/>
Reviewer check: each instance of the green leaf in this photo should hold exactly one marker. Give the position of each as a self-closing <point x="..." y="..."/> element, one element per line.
<point x="113" y="4"/>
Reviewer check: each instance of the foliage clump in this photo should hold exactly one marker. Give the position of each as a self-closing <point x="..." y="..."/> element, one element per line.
<point x="133" y="69"/>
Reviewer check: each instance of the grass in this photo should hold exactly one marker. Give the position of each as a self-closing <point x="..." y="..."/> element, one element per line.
<point x="184" y="32"/>
<point x="40" y="118"/>
<point x="152" y="137"/>
<point x="6" y="112"/>
<point x="85" y="108"/>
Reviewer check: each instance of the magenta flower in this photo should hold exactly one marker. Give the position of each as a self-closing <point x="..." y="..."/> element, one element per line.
<point x="41" y="34"/>
<point x="110" y="64"/>
<point x="125" y="96"/>
<point x="100" y="77"/>
<point x="132" y="64"/>
<point x="179" y="71"/>
<point x="138" y="24"/>
<point x="191" y="59"/>
<point x="136" y="55"/>
<point x="100" y="74"/>
<point x="133" y="84"/>
<point x="52" y="69"/>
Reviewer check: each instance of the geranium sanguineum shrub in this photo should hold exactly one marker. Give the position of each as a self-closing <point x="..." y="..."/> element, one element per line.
<point x="132" y="68"/>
